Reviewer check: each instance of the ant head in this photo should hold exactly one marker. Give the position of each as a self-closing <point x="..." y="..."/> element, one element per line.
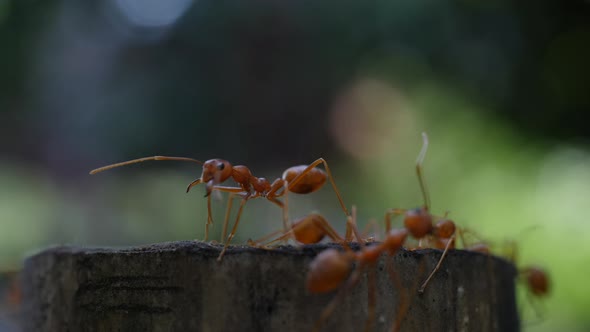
<point x="537" y="280"/>
<point x="444" y="229"/>
<point x="328" y="271"/>
<point x="395" y="239"/>
<point x="215" y="171"/>
<point x="418" y="222"/>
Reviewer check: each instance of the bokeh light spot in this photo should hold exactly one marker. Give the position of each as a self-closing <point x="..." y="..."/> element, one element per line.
<point x="153" y="13"/>
<point x="366" y="116"/>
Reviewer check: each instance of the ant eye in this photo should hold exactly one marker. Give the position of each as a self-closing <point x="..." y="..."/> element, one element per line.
<point x="220" y="166"/>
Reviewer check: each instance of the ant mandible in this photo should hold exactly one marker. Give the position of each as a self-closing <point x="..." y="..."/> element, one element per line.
<point x="419" y="222"/>
<point x="302" y="179"/>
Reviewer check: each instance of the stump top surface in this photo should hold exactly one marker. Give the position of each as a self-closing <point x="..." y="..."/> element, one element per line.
<point x="212" y="249"/>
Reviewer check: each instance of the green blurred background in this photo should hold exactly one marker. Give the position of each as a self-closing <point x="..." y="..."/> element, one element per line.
<point x="501" y="87"/>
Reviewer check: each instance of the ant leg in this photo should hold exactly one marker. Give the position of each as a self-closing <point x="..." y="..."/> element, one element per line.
<point x="236" y="190"/>
<point x="209" y="218"/>
<point x="536" y="308"/>
<point x="419" y="162"/>
<point x="387" y="223"/>
<point x="232" y="195"/>
<point x="361" y="238"/>
<point x="348" y="234"/>
<point x="351" y="225"/>
<point x="329" y="230"/>
<point x="404" y="297"/>
<point x="283" y="236"/>
<point x="233" y="231"/>
<point x="511" y="251"/>
<point x="370" y="226"/>
<point x="232" y="192"/>
<point x="230" y="201"/>
<point x="392" y="212"/>
<point x="284" y="206"/>
<point x="371" y="296"/>
<point x="276" y="201"/>
<point x="473" y="236"/>
<point x="460" y="230"/>
<point x="209" y="214"/>
<point x="286" y="224"/>
<point x="271" y="195"/>
<point x="351" y="282"/>
<point x="227" y="213"/>
<point x="275" y="186"/>
<point x="312" y="166"/>
<point x="421" y="290"/>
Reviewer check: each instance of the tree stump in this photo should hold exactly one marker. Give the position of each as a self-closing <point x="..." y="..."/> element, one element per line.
<point x="180" y="286"/>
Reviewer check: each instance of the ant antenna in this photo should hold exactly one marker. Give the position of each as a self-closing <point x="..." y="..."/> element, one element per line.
<point x="134" y="161"/>
<point x="419" y="171"/>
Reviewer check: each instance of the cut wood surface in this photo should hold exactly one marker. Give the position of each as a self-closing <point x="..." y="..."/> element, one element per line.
<point x="180" y="286"/>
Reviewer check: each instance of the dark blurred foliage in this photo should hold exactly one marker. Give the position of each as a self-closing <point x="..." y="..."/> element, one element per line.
<point x="265" y="72"/>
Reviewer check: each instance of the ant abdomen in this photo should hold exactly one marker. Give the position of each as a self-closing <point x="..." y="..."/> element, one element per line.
<point x="313" y="180"/>
<point x="328" y="271"/>
<point x="307" y="230"/>
<point x="537" y="281"/>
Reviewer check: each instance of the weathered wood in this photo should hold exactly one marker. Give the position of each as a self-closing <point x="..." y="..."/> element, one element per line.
<point x="180" y="286"/>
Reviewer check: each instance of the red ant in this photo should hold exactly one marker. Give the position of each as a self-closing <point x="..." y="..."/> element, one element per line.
<point x="331" y="269"/>
<point x="310" y="229"/>
<point x="535" y="278"/>
<point x="419" y="222"/>
<point x="538" y="285"/>
<point x="306" y="230"/>
<point x="303" y="179"/>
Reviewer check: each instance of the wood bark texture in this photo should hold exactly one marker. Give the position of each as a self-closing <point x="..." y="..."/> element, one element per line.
<point x="180" y="286"/>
